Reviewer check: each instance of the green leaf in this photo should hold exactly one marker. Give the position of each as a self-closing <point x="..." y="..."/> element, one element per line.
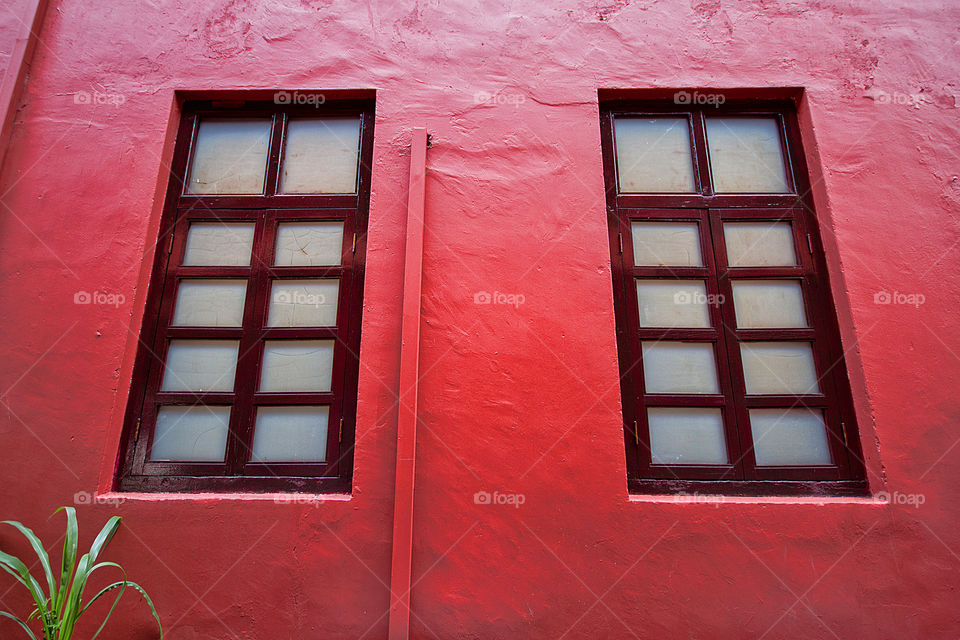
<point x="20" y="622"/>
<point x="40" y="551"/>
<point x="69" y="559"/>
<point x="59" y="612"/>
<point x="15" y="567"/>
<point x="104" y="537"/>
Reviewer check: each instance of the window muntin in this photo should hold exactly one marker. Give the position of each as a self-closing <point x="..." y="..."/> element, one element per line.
<point x="732" y="271"/>
<point x="250" y="380"/>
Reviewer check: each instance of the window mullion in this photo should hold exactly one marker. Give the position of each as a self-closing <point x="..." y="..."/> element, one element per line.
<point x="248" y="363"/>
<point x="738" y="427"/>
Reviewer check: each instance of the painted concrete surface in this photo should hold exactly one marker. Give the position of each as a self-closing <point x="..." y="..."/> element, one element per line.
<point x="522" y="400"/>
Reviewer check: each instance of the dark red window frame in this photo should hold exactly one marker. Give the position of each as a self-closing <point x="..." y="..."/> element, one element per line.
<point x="236" y="472"/>
<point x="742" y="476"/>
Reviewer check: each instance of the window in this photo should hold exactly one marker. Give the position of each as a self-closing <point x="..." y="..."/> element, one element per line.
<point x="246" y="377"/>
<point x="732" y="372"/>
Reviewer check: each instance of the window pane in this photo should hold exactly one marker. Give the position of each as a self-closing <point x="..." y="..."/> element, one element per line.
<point x="679" y="367"/>
<point x="291" y="434"/>
<point x="768" y="304"/>
<point x="746" y="155"/>
<point x="297" y="365"/>
<point x="303" y="303"/>
<point x="653" y="155"/>
<point x="789" y="436"/>
<point x="687" y="436"/>
<point x="200" y="365"/>
<point x="197" y="434"/>
<point x="759" y="244"/>
<point x="230" y="157"/>
<point x="672" y="244"/>
<point x="672" y="303"/>
<point x="321" y="155"/>
<point x="779" y="368"/>
<point x="219" y="244"/>
<point x="210" y="303"/>
<point x="309" y="244"/>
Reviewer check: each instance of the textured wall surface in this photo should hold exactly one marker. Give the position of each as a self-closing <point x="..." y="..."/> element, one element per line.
<point x="515" y="399"/>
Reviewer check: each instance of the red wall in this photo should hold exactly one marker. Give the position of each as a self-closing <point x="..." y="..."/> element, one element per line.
<point x="517" y="400"/>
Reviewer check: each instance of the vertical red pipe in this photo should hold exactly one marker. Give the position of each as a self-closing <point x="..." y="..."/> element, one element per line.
<point x="16" y="75"/>
<point x="409" y="374"/>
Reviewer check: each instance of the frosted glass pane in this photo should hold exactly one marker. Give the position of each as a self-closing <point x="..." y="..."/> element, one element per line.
<point x="309" y="244"/>
<point x="200" y="365"/>
<point x="297" y="365"/>
<point x="779" y="367"/>
<point x="679" y="367"/>
<point x="321" y="155"/>
<point x="210" y="303"/>
<point x="768" y="304"/>
<point x="653" y="155"/>
<point x="303" y="303"/>
<point x="230" y="156"/>
<point x="687" y="436"/>
<point x="197" y="434"/>
<point x="673" y="244"/>
<point x="291" y="434"/>
<point x="759" y="244"/>
<point x="672" y="303"/>
<point x="746" y="155"/>
<point x="789" y="437"/>
<point x="219" y="244"/>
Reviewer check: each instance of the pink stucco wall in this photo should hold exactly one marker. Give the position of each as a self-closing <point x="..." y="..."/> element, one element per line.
<point x="521" y="400"/>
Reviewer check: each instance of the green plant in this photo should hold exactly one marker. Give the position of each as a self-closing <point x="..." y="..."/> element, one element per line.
<point x="59" y="608"/>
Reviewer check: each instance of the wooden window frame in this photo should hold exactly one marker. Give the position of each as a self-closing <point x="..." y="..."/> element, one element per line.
<point x="236" y="473"/>
<point x="709" y="210"/>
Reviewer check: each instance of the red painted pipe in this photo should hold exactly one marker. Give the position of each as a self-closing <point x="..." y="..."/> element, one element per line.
<point x="409" y="375"/>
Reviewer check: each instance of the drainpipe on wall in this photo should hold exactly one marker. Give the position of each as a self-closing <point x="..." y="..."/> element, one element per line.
<point x="31" y="21"/>
<point x="407" y="412"/>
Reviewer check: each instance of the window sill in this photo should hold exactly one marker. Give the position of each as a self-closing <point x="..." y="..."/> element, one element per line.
<point x="717" y="492"/>
<point x="232" y="485"/>
<point x="314" y="499"/>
